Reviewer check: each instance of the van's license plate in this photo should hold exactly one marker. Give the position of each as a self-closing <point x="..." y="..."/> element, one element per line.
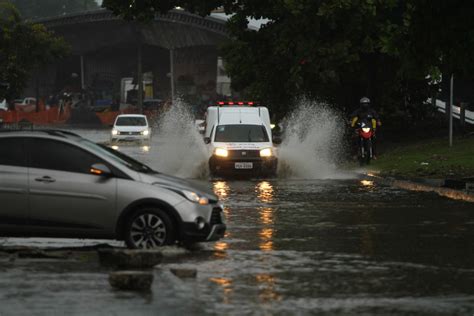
<point x="243" y="165"/>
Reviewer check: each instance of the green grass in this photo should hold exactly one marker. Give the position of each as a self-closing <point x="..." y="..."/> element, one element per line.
<point x="429" y="158"/>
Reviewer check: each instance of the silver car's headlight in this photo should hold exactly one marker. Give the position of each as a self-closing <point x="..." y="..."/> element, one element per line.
<point x="196" y="198"/>
<point x="145" y="132"/>
<point x="114" y="132"/>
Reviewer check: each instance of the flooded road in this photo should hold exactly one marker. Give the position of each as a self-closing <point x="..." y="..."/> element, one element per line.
<point x="325" y="247"/>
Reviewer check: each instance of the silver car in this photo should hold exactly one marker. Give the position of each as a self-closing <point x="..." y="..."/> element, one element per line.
<point x="57" y="184"/>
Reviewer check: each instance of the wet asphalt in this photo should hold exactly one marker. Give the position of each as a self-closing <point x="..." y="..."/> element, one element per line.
<point x="293" y="247"/>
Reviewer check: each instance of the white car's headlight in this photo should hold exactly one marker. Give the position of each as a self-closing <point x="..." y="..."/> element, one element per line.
<point x="266" y="152"/>
<point x="194" y="197"/>
<point x="145" y="132"/>
<point x="366" y="129"/>
<point x="221" y="152"/>
<point x="114" y="132"/>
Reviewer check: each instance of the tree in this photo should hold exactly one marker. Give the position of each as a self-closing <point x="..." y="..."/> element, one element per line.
<point x="336" y="50"/>
<point x="24" y="47"/>
<point x="34" y="9"/>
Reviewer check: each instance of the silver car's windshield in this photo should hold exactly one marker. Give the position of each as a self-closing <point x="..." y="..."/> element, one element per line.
<point x="119" y="157"/>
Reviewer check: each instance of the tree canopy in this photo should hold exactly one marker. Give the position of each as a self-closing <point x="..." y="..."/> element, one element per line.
<point x="34" y="9"/>
<point x="336" y="50"/>
<point x="23" y="47"/>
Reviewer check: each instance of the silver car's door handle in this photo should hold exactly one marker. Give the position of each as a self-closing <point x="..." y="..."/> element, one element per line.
<point x="45" y="179"/>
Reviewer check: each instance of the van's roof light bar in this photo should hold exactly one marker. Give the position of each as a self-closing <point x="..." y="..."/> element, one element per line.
<point x="237" y="103"/>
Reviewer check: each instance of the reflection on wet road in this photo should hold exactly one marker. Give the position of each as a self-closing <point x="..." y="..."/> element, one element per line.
<point x="326" y="247"/>
<point x="320" y="246"/>
<point x="347" y="247"/>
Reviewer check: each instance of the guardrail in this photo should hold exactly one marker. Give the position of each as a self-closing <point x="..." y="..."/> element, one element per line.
<point x="468" y="115"/>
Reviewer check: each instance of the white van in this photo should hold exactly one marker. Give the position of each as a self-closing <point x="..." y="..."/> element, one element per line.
<point x="239" y="138"/>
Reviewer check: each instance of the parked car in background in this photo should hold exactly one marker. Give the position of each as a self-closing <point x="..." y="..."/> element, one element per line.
<point x="57" y="184"/>
<point x="130" y="127"/>
<point x="25" y="105"/>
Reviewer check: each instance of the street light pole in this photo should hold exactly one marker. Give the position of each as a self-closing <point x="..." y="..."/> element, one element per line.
<point x="451" y="93"/>
<point x="140" y="78"/>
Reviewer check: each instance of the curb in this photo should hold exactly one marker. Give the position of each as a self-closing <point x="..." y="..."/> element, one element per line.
<point x="428" y="185"/>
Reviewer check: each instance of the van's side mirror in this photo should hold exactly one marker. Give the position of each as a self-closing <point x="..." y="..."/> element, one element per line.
<point x="207" y="140"/>
<point x="276" y="140"/>
<point x="100" y="169"/>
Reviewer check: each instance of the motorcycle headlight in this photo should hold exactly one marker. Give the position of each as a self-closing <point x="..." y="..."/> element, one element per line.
<point x="194" y="197"/>
<point x="366" y="129"/>
<point x="221" y="152"/>
<point x="114" y="132"/>
<point x="145" y="132"/>
<point x="266" y="152"/>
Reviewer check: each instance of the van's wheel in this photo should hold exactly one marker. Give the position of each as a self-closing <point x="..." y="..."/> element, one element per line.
<point x="149" y="228"/>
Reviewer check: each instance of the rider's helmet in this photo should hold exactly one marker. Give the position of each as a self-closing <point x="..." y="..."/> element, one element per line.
<point x="365" y="102"/>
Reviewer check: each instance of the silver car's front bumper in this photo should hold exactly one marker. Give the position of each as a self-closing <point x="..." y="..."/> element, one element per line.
<point x="217" y="232"/>
<point x="214" y="226"/>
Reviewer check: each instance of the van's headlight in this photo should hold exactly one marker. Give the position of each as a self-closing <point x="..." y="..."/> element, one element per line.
<point x="145" y="132"/>
<point x="114" y="132"/>
<point x="221" y="152"/>
<point x="266" y="152"/>
<point x="194" y="197"/>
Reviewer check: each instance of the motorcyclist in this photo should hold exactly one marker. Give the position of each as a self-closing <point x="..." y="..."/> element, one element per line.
<point x="366" y="112"/>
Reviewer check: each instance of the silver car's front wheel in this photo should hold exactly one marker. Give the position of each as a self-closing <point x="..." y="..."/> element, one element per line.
<point x="148" y="229"/>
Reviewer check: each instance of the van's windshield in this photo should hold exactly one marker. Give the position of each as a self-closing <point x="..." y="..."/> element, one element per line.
<point x="130" y="121"/>
<point x="241" y="133"/>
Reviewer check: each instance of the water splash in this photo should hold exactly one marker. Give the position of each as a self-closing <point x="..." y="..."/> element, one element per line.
<point x="178" y="145"/>
<point x="312" y="143"/>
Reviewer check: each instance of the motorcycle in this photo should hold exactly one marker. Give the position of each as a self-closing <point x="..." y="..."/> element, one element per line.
<point x="365" y="133"/>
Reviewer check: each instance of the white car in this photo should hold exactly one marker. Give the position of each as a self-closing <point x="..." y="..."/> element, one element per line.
<point x="130" y="127"/>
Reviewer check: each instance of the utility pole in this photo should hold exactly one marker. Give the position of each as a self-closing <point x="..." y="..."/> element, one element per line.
<point x="451" y="93"/>
<point x="140" y="79"/>
<point x="137" y="28"/>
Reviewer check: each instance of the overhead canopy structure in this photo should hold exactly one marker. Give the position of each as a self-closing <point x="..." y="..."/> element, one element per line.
<point x="177" y="48"/>
<point x="93" y="30"/>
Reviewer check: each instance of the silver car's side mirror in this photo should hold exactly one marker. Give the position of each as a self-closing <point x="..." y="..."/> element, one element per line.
<point x="207" y="140"/>
<point x="100" y="169"/>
